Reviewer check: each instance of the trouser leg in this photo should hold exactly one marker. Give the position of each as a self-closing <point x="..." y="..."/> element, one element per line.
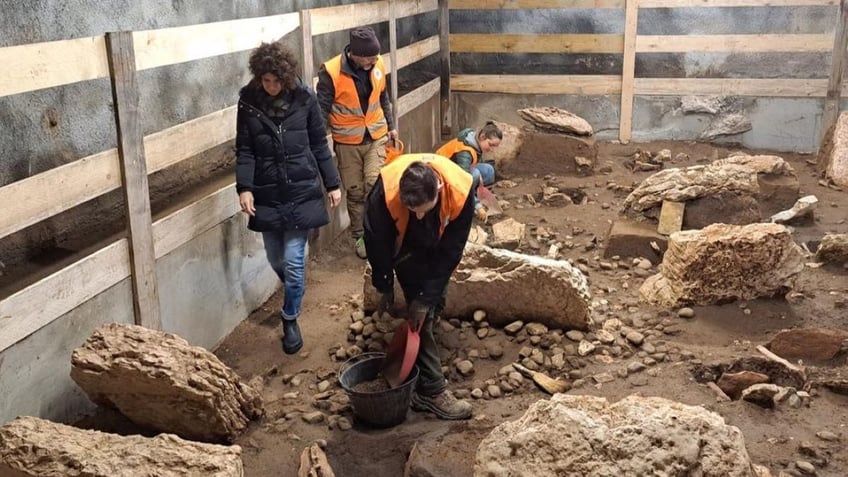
<point x="351" y="168"/>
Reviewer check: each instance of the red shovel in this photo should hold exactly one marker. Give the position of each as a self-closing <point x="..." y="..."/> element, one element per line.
<point x="488" y="199"/>
<point x="401" y="354"/>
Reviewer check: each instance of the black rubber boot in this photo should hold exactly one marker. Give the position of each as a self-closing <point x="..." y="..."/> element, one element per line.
<point x="292" y="341"/>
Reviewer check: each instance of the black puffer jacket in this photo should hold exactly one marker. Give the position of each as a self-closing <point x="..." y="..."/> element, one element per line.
<point x="284" y="166"/>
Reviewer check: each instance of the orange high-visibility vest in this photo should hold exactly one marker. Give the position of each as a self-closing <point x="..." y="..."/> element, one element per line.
<point x="455" y="145"/>
<point x="348" y="122"/>
<point x="456" y="185"/>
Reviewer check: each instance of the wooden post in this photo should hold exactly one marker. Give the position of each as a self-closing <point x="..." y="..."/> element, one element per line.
<point x="444" y="54"/>
<point x="837" y="64"/>
<point x="307" y="69"/>
<point x="393" y="56"/>
<point x="628" y="70"/>
<point x="119" y="48"/>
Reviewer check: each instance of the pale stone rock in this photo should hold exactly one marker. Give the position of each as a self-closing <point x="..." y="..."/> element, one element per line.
<point x="833" y="248"/>
<point x="725" y="262"/>
<point x="30" y="446"/>
<point x="506" y="152"/>
<point x="727" y="125"/>
<point x="555" y="119"/>
<point x="587" y="435"/>
<point x="835" y="154"/>
<point x="159" y="381"/>
<point x="508" y="285"/>
<point x="803" y="207"/>
<point x="761" y="164"/>
<point x="508" y="233"/>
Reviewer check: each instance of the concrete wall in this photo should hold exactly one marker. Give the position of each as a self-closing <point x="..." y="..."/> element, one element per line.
<point x="776" y="123"/>
<point x="206" y="287"/>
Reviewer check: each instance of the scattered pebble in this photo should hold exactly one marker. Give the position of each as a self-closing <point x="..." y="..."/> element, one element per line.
<point x="315" y="417"/>
<point x="686" y="312"/>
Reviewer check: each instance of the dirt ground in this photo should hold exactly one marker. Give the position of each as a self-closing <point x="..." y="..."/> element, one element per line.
<point x="717" y="333"/>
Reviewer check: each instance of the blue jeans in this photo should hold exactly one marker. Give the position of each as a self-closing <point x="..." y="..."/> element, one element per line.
<point x="485" y="172"/>
<point x="286" y="252"/>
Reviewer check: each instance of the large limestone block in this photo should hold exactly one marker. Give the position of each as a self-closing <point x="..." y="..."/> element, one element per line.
<point x="557" y="120"/>
<point x="835" y="153"/>
<point x="722" y="263"/>
<point x="34" y="447"/>
<point x="159" y="381"/>
<point x="833" y="248"/>
<point x="689" y="183"/>
<point x="588" y="436"/>
<point x="761" y="164"/>
<point x="634" y="240"/>
<point x="510" y="286"/>
<point x="507" y="151"/>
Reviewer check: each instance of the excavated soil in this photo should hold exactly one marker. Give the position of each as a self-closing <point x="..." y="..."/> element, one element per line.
<point x="716" y="334"/>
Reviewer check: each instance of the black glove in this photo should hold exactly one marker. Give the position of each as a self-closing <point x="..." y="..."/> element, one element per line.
<point x="417" y="314"/>
<point x="387" y="302"/>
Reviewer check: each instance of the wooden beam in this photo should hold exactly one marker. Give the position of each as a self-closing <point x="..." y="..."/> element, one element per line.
<point x="407" y="8"/>
<point x="53" y="63"/>
<point x="308" y="70"/>
<point x="788" y="88"/>
<point x="535" y="43"/>
<point x="417" y="51"/>
<point x="837" y="65"/>
<point x="533" y="4"/>
<point x="393" y="55"/>
<point x="418" y="96"/>
<point x="178" y="143"/>
<point x="119" y="46"/>
<point x="344" y="17"/>
<point x="538" y="84"/>
<point x="28" y="310"/>
<point x="168" y="46"/>
<point x="444" y="71"/>
<point x="734" y="3"/>
<point x="733" y="43"/>
<point x="631" y="27"/>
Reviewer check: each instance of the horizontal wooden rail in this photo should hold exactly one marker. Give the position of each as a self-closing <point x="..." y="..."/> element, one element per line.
<point x="734" y="43"/>
<point x="533" y="4"/>
<point x="538" y="84"/>
<point x="54" y="63"/>
<point x="168" y="46"/>
<point x="535" y="43"/>
<point x="734" y="3"/>
<point x="43" y="195"/>
<point x="417" y="97"/>
<point x="417" y="51"/>
<point x="39" y="304"/>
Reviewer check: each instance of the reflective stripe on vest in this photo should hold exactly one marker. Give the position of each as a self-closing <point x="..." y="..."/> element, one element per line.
<point x="456" y="185"/>
<point x="347" y="121"/>
<point x="455" y="145"/>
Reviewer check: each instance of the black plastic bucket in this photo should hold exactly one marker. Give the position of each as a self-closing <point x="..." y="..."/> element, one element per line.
<point x="381" y="409"/>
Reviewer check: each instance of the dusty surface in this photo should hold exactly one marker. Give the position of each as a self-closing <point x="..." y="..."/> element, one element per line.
<point x="776" y="438"/>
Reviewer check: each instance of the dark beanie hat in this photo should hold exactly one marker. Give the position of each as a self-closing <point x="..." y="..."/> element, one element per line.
<point x="364" y="42"/>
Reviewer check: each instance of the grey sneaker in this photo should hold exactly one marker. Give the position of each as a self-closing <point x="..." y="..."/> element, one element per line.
<point x="359" y="247"/>
<point x="443" y="405"/>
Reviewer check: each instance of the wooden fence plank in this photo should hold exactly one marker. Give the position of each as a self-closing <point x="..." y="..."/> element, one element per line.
<point x="445" y="70"/>
<point x="308" y="69"/>
<point x="535" y="43"/>
<point x="538" y="84"/>
<point x="168" y="46"/>
<point x="734" y="3"/>
<point x="534" y="4"/>
<point x="183" y="225"/>
<point x="730" y="87"/>
<point x="344" y="17"/>
<point x="407" y="8"/>
<point x="734" y="43"/>
<point x="837" y="65"/>
<point x="54" y="63"/>
<point x="175" y="144"/>
<point x="417" y="51"/>
<point x="38" y="305"/>
<point x="419" y="96"/>
<point x="119" y="46"/>
<point x="631" y="26"/>
<point x="393" y="55"/>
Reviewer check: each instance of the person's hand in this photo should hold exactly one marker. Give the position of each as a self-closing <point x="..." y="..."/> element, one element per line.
<point x="335" y="197"/>
<point x="387" y="301"/>
<point x="392" y="135"/>
<point x="246" y="203"/>
<point x="481" y="214"/>
<point x="416" y="314"/>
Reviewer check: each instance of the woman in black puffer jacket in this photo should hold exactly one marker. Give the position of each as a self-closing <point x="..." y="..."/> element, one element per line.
<point x="282" y="160"/>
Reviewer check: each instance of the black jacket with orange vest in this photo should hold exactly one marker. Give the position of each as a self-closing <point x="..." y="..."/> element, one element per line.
<point x="436" y="241"/>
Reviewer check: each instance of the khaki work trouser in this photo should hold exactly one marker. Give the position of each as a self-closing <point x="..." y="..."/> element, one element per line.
<point x="359" y="167"/>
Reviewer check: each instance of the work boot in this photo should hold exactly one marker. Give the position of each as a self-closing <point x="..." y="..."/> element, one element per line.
<point x="292" y="341"/>
<point x="359" y="247"/>
<point x="444" y="405"/>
